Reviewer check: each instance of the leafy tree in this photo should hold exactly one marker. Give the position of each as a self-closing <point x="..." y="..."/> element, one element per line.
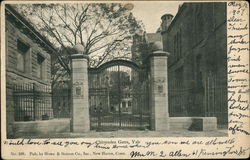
<point x="104" y="29"/>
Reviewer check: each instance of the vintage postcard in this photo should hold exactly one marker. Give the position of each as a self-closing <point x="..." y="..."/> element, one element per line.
<point x="124" y="79"/>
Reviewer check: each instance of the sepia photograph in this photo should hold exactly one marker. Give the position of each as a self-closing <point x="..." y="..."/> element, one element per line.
<point x="138" y="69"/>
<point x="125" y="79"/>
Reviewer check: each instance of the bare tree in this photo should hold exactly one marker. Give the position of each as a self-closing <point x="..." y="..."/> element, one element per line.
<point x="104" y="29"/>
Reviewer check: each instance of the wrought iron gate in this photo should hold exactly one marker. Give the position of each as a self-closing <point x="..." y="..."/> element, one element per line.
<point x="118" y="97"/>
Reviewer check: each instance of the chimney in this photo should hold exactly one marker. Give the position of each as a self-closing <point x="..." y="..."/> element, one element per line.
<point x="166" y="20"/>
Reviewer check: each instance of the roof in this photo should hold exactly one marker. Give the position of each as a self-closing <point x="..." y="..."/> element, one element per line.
<point x="13" y="15"/>
<point x="179" y="13"/>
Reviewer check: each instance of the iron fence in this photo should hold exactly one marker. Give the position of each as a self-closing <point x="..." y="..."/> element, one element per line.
<point x="32" y="102"/>
<point x="61" y="102"/>
<point x="210" y="101"/>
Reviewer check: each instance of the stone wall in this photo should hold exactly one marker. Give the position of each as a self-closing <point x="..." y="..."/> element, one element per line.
<point x="193" y="123"/>
<point x="40" y="128"/>
<point x="13" y="75"/>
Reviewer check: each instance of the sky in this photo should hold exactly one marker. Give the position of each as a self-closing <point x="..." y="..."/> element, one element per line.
<point x="150" y="12"/>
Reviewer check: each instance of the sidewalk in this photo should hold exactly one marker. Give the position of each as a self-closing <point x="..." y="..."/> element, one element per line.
<point x="131" y="134"/>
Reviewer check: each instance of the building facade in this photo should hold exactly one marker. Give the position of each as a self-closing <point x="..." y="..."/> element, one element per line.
<point x="197" y="66"/>
<point x="28" y="71"/>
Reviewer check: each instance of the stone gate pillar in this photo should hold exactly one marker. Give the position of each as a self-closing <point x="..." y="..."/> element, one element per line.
<point x="80" y="121"/>
<point x="159" y="88"/>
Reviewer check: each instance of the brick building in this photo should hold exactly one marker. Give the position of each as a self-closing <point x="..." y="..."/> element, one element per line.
<point x="28" y="71"/>
<point x="197" y="65"/>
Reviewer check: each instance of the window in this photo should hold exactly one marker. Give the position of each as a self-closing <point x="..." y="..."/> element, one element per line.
<point x="199" y="24"/>
<point x="180" y="44"/>
<point x="199" y="74"/>
<point x="179" y="77"/>
<point x="123" y="104"/>
<point x="129" y="103"/>
<point x="177" y="45"/>
<point x="40" y="67"/>
<point x="22" y="56"/>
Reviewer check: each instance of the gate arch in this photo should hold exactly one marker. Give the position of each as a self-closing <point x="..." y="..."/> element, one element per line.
<point x="120" y="62"/>
<point x="118" y="96"/>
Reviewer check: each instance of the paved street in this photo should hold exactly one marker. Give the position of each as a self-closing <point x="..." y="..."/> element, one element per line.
<point x="131" y="134"/>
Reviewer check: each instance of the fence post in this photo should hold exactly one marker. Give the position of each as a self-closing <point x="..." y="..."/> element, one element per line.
<point x="34" y="102"/>
<point x="80" y="96"/>
<point x="159" y="88"/>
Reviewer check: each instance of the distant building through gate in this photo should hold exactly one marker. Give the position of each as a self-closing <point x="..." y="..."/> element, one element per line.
<point x="118" y="96"/>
